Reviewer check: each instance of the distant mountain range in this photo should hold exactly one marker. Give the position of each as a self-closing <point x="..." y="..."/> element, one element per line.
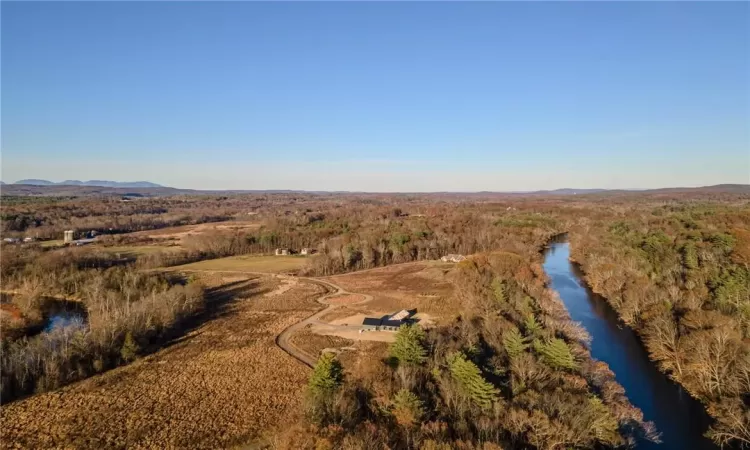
<point x="99" y="183"/>
<point x="148" y="189"/>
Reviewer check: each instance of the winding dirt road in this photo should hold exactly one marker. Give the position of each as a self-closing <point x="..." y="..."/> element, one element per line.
<point x="283" y="339"/>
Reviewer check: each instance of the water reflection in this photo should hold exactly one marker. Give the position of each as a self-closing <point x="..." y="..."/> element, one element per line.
<point x="679" y="418"/>
<point x="60" y="314"/>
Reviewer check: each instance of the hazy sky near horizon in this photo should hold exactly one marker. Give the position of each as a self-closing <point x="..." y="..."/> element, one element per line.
<point x="377" y="96"/>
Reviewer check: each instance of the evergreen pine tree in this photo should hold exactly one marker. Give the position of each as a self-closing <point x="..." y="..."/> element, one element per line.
<point x="327" y="376"/>
<point x="513" y="343"/>
<point x="471" y="382"/>
<point x="409" y="348"/>
<point x="556" y="353"/>
<point x="498" y="291"/>
<point x="130" y="349"/>
<point x="407" y="408"/>
<point x="532" y="326"/>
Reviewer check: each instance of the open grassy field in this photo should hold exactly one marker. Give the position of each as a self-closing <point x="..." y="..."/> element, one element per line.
<point x="192" y="230"/>
<point x="134" y="250"/>
<point x="264" y="264"/>
<point x="223" y="384"/>
<point x="52" y="243"/>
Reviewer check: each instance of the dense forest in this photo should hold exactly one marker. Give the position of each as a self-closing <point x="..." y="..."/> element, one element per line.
<point x="674" y="265"/>
<point x="512" y="371"/>
<point x="680" y="275"/>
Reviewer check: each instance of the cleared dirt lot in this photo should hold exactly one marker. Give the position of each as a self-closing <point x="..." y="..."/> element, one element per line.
<point x="224" y="383"/>
<point x="377" y="293"/>
<point x="422" y="285"/>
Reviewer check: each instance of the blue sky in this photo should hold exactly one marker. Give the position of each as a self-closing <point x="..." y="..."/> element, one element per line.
<point x="377" y="96"/>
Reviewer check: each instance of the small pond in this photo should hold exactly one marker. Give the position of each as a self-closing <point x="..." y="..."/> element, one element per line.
<point x="60" y="313"/>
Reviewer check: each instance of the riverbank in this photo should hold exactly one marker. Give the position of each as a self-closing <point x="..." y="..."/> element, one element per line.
<point x="679" y="418"/>
<point x="638" y="332"/>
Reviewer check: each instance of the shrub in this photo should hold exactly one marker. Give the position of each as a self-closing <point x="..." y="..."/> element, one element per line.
<point x="130" y="349"/>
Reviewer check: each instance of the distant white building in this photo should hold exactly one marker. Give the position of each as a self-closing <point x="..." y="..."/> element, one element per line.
<point x="453" y="258"/>
<point x="282" y="251"/>
<point x="305" y="251"/>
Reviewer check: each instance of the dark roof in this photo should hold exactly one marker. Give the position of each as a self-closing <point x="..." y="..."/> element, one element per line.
<point x="371" y="321"/>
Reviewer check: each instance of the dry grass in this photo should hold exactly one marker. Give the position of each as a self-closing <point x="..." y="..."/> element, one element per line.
<point x="136" y="250"/>
<point x="422" y="285"/>
<point x="52" y="243"/>
<point x="186" y="230"/>
<point x="313" y="343"/>
<point x="224" y="383"/>
<point x="265" y="264"/>
<point x="347" y="299"/>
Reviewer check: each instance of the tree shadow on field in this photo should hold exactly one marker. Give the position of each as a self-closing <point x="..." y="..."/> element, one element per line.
<point x="218" y="303"/>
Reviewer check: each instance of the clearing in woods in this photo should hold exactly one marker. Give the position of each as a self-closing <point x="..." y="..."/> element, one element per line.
<point x="225" y="383"/>
<point x="250" y="264"/>
<point x="424" y="285"/>
<point x="181" y="231"/>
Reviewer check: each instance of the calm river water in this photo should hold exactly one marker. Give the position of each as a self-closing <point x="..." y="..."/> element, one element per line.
<point x="679" y="418"/>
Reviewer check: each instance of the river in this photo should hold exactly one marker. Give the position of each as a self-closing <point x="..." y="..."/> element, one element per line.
<point x="679" y="418"/>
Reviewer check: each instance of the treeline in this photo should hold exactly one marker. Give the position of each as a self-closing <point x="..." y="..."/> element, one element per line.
<point x="511" y="372"/>
<point x="47" y="220"/>
<point x="126" y="311"/>
<point x="680" y="275"/>
<point x="367" y="236"/>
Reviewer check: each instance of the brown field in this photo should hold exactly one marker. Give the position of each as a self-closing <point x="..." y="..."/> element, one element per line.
<point x="346" y="299"/>
<point x="421" y="285"/>
<point x="52" y="243"/>
<point x="135" y="250"/>
<point x="225" y="383"/>
<point x="187" y="230"/>
<point x="264" y="264"/>
<point x="313" y="343"/>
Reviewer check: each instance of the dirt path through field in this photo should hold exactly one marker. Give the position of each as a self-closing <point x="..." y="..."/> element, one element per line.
<point x="284" y="341"/>
<point x="226" y="382"/>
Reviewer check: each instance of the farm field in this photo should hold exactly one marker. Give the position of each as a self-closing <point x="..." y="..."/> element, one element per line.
<point x="52" y="243"/>
<point x="135" y="250"/>
<point x="223" y="384"/>
<point x="247" y="263"/>
<point x="179" y="232"/>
